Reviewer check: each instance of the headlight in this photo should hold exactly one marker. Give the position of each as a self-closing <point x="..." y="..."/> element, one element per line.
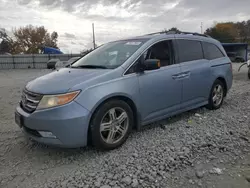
<point x="49" y="101"/>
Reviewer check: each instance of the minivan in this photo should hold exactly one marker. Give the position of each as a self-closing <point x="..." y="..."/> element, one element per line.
<point x="124" y="85"/>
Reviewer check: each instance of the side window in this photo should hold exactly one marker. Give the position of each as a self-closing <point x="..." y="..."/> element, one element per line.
<point x="189" y="50"/>
<point x="211" y="51"/>
<point x="162" y="50"/>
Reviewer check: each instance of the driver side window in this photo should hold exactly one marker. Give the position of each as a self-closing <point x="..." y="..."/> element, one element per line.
<point x="162" y="51"/>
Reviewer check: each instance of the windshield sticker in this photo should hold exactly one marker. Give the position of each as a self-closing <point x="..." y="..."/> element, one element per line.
<point x="133" y="43"/>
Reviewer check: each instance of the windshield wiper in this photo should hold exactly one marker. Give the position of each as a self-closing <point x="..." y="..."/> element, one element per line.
<point x="90" y="66"/>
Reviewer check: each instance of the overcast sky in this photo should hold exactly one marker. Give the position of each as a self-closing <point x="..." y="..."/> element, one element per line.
<point x="116" y="19"/>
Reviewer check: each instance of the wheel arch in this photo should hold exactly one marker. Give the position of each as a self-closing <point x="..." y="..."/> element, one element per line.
<point x="223" y="80"/>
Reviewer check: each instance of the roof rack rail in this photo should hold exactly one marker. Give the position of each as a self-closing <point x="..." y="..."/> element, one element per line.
<point x="178" y="32"/>
<point x="161" y="32"/>
<point x="191" y="33"/>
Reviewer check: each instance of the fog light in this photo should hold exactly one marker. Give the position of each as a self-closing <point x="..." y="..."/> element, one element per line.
<point x="47" y="134"/>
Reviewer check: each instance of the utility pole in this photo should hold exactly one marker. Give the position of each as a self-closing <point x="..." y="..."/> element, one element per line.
<point x="201" y="28"/>
<point x="93" y="27"/>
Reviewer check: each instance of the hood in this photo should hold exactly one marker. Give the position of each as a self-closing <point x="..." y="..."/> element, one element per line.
<point x="60" y="81"/>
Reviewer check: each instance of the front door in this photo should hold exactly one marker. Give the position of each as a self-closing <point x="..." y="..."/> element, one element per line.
<point x="160" y="90"/>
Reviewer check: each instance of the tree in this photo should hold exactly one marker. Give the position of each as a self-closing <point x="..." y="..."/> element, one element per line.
<point x="244" y="31"/>
<point x="174" y="29"/>
<point x="5" y="42"/>
<point x="30" y="39"/>
<point x="224" y="32"/>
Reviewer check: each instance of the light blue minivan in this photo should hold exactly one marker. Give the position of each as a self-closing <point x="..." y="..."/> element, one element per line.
<point x="124" y="85"/>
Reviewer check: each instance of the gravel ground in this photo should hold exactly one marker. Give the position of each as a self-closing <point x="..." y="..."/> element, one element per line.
<point x="200" y="148"/>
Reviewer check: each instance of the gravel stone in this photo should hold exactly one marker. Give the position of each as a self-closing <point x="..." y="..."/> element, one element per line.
<point x="199" y="174"/>
<point x="217" y="171"/>
<point x="135" y="155"/>
<point x="164" y="127"/>
<point x="197" y="115"/>
<point x="127" y="180"/>
<point x="112" y="183"/>
<point x="191" y="181"/>
<point x="98" y="182"/>
<point x="135" y="183"/>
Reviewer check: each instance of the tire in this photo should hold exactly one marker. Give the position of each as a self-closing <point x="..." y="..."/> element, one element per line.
<point x="212" y="105"/>
<point x="49" y="66"/>
<point x="238" y="60"/>
<point x="248" y="73"/>
<point x="100" y="135"/>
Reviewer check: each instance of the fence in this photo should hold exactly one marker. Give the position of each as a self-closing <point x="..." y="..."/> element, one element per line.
<point x="35" y="61"/>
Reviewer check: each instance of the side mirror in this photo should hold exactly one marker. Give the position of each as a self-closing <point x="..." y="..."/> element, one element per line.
<point x="152" y="64"/>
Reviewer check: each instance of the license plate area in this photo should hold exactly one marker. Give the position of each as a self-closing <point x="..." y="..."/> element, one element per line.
<point x="19" y="119"/>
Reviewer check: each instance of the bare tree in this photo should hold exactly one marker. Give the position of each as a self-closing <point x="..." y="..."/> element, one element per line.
<point x="30" y="39"/>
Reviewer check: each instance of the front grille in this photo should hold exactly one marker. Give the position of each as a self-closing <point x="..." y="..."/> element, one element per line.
<point x="30" y="101"/>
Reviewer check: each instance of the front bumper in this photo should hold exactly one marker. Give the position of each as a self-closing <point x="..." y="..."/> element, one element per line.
<point x="68" y="123"/>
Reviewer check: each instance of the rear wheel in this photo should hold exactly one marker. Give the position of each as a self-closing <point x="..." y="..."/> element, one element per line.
<point x="238" y="60"/>
<point x="216" y="96"/>
<point x="249" y="72"/>
<point x="111" y="125"/>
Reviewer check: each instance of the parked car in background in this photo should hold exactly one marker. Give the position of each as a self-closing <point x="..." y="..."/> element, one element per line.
<point x="124" y="85"/>
<point x="51" y="63"/>
<point x="61" y="64"/>
<point x="234" y="57"/>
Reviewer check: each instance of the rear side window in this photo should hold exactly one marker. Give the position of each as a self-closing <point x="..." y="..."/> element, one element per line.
<point x="212" y="51"/>
<point x="189" y="50"/>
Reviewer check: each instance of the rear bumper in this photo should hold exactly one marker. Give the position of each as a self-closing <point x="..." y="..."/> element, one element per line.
<point x="68" y="124"/>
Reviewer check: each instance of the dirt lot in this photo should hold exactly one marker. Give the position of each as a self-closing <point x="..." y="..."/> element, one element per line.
<point x="200" y="148"/>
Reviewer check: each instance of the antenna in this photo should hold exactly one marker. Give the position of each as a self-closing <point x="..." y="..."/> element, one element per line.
<point x="201" y="27"/>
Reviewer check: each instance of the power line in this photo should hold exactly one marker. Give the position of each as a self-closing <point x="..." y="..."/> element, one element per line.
<point x="93" y="27"/>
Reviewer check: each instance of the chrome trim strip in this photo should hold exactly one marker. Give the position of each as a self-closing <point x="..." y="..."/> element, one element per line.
<point x="32" y="107"/>
<point x="33" y="101"/>
<point x="30" y="101"/>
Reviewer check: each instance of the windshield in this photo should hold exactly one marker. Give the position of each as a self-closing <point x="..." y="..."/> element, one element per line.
<point x="110" y="55"/>
<point x="73" y="59"/>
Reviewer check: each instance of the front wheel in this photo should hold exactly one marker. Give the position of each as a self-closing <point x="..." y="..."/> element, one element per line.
<point x="111" y="125"/>
<point x="249" y="73"/>
<point x="216" y="96"/>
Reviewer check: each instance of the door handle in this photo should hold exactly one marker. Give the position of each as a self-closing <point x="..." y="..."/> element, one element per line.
<point x="179" y="76"/>
<point x="185" y="74"/>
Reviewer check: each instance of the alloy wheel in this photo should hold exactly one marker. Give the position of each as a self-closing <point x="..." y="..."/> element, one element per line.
<point x="218" y="95"/>
<point x="114" y="125"/>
